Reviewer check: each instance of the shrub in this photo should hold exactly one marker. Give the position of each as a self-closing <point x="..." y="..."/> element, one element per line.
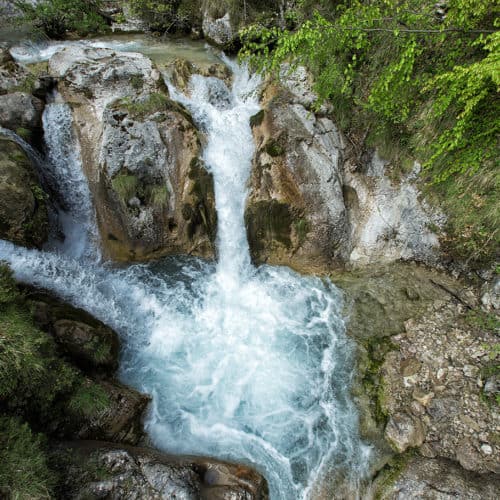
<point x="56" y="17"/>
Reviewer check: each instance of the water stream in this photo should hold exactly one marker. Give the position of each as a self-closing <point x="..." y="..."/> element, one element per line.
<point x="243" y="363"/>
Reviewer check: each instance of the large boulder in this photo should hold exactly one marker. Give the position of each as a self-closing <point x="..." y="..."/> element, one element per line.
<point x="140" y="151"/>
<point x="103" y="470"/>
<point x="117" y="419"/>
<point x="23" y="210"/>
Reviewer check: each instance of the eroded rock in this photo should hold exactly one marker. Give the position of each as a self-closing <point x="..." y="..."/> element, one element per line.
<point x="100" y="470"/>
<point x="343" y="210"/>
<point x="141" y="154"/>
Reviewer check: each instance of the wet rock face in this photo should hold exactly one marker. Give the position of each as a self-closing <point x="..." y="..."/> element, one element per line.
<point x="180" y="71"/>
<point x="295" y="185"/>
<point x="343" y="210"/>
<point x="91" y="344"/>
<point x="436" y="479"/>
<point x="101" y="470"/>
<point x="140" y="152"/>
<point x="23" y="211"/>
<point x="435" y="389"/>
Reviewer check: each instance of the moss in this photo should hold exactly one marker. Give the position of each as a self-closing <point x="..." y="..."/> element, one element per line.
<point x="88" y="399"/>
<point x="25" y="133"/>
<point x="139" y="109"/>
<point x="158" y="196"/>
<point x="257" y="119"/>
<point x="35" y="380"/>
<point x="301" y="229"/>
<point x="24" y="470"/>
<point x="391" y="473"/>
<point x="202" y="210"/>
<point x="274" y="148"/>
<point x="137" y="81"/>
<point x="267" y="222"/>
<point x="8" y="289"/>
<point x="125" y="185"/>
<point x="372" y="381"/>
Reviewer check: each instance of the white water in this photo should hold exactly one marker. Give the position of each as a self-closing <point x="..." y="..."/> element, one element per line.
<point x="64" y="166"/>
<point x="246" y="364"/>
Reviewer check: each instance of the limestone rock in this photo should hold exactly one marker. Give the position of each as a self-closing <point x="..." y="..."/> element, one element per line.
<point x="404" y="431"/>
<point x="90" y="343"/>
<point x="218" y="31"/>
<point x="20" y="110"/>
<point x="434" y="479"/>
<point x="98" y="469"/>
<point x="140" y="151"/>
<point x="295" y="209"/>
<point x="450" y="387"/>
<point x="12" y="75"/>
<point x="332" y="208"/>
<point x="23" y="211"/>
<point x="490" y="295"/>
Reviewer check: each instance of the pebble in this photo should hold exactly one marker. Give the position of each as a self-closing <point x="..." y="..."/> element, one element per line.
<point x="486" y="449"/>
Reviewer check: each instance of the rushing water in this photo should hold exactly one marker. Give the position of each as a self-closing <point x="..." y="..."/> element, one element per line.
<point x="243" y="363"/>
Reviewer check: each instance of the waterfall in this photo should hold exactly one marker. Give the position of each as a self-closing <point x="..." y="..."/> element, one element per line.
<point x="64" y="166"/>
<point x="243" y="363"/>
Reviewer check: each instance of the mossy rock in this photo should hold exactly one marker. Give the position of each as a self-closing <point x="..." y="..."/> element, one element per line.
<point x="156" y="103"/>
<point x="23" y="207"/>
<point x="90" y="343"/>
<point x="274" y="148"/>
<point x="130" y="187"/>
<point x="202" y="209"/>
<point x="257" y="119"/>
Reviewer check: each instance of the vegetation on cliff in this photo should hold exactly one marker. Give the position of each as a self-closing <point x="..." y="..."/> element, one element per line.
<point x="421" y="80"/>
<point x="39" y="389"/>
<point x="56" y="17"/>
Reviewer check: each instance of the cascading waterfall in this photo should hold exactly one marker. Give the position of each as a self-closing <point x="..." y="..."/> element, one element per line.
<point x="64" y="166"/>
<point x="243" y="363"/>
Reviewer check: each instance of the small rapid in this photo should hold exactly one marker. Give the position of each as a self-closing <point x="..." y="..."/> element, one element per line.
<point x="246" y="364"/>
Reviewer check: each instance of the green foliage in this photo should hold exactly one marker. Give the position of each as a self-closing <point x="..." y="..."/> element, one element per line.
<point x="56" y="17"/>
<point x="8" y="288"/>
<point x="24" y="473"/>
<point x="35" y="380"/>
<point x="167" y="15"/>
<point x="423" y="79"/>
<point x="88" y="399"/>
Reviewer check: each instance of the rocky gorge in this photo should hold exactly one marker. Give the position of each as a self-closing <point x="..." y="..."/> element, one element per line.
<point x="422" y="326"/>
